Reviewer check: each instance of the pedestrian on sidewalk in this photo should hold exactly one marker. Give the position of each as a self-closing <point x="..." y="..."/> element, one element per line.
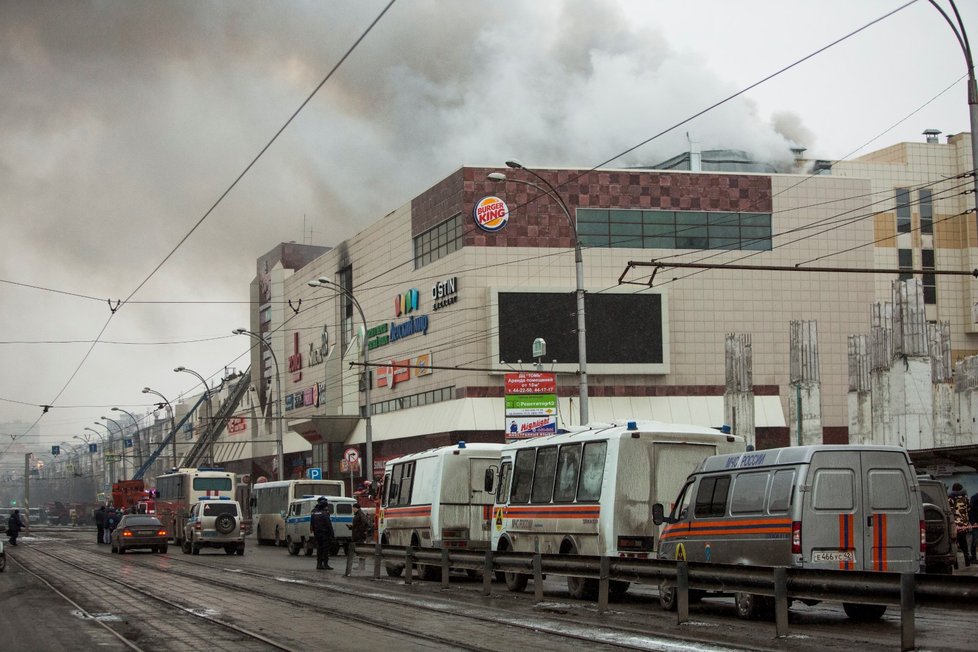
<point x="100" y="523"/>
<point x="958" y="500"/>
<point x="112" y="519"/>
<point x="322" y="529"/>
<point x="14" y="526"/>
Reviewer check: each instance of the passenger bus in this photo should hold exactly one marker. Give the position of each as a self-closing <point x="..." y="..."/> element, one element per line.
<point x="270" y="503"/>
<point x="590" y="492"/>
<point x="439" y="498"/>
<point x="180" y="489"/>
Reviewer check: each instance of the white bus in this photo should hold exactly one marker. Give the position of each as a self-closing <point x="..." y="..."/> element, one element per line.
<point x="590" y="492"/>
<point x="270" y="503"/>
<point x="179" y="490"/>
<point x="438" y="498"/>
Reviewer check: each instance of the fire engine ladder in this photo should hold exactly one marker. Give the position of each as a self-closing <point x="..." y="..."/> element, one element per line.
<point x="217" y="424"/>
<point x="138" y="475"/>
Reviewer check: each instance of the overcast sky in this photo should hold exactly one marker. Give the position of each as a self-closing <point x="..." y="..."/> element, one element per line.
<point x="122" y="122"/>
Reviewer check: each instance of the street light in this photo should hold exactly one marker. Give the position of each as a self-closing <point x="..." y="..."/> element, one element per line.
<point x="962" y="37"/>
<point x="101" y="439"/>
<point x="122" y="446"/>
<point x="91" y="457"/>
<point x="207" y="397"/>
<point x="279" y="453"/>
<point x="137" y="440"/>
<point x="550" y="191"/>
<point x="173" y="434"/>
<point x="369" y="443"/>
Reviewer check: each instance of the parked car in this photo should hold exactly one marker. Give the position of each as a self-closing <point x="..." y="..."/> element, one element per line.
<point x="940" y="555"/>
<point x="139" y="531"/>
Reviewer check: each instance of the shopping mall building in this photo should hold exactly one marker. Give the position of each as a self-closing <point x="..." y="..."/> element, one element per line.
<point x="456" y="284"/>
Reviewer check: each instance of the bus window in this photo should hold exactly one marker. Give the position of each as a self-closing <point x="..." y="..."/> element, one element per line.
<point x="407" y="480"/>
<point x="543" y="476"/>
<point x="503" y="489"/>
<point x="568" y="468"/>
<point x="522" y="476"/>
<point x="387" y="489"/>
<point x="592" y="471"/>
<point x="212" y="484"/>
<point x="711" y="498"/>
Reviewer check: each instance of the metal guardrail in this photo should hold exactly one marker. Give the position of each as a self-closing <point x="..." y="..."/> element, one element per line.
<point x="905" y="590"/>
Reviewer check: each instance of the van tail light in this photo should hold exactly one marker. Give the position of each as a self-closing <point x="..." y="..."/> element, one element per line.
<point x="923" y="536"/>
<point x="796" y="537"/>
<point x="197" y="526"/>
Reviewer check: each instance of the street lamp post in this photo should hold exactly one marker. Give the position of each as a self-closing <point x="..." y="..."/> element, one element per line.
<point x="962" y="37"/>
<point x="110" y="473"/>
<point x="173" y="434"/>
<point x="122" y="442"/>
<point x="101" y="439"/>
<point x="137" y="440"/>
<point x="280" y="452"/>
<point x="208" y="414"/>
<point x="91" y="457"/>
<point x="368" y="444"/>
<point x="550" y="191"/>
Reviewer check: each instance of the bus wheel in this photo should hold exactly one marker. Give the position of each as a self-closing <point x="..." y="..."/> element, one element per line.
<point x="394" y="570"/>
<point x="863" y="612"/>
<point x="581" y="588"/>
<point x="516" y="582"/>
<point x="293" y="546"/>
<point x="430" y="573"/>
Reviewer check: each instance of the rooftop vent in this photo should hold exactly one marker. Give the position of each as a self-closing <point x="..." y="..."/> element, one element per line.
<point x="931" y="135"/>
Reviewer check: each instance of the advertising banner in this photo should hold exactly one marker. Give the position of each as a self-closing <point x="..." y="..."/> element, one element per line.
<point x="526" y="382"/>
<point x="526" y="427"/>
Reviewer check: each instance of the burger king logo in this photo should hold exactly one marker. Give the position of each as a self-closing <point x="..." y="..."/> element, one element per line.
<point x="491" y="214"/>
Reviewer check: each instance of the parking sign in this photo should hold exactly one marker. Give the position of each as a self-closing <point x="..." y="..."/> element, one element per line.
<point x="315" y="473"/>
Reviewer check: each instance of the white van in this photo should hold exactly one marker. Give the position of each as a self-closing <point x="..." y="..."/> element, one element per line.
<point x="590" y="492"/>
<point x="833" y="507"/>
<point x="439" y="498"/>
<point x="298" y="521"/>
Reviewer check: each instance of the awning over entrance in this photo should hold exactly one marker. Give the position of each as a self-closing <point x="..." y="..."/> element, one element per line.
<point x="488" y="414"/>
<point x="326" y="429"/>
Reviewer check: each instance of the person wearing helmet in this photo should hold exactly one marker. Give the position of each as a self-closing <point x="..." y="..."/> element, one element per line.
<point x="322" y="529"/>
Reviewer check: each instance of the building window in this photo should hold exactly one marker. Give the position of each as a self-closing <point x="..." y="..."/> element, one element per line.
<point x="929" y="280"/>
<point x="903" y="210"/>
<point x="635" y="229"/>
<point x="439" y="241"/>
<point x="926" y="213"/>
<point x="346" y="305"/>
<point x="414" y="400"/>
<point x="905" y="262"/>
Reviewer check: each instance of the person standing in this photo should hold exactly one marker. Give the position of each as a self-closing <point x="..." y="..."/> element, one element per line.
<point x="111" y="520"/>
<point x="322" y="529"/>
<point x="14" y="526"/>
<point x="973" y="517"/>
<point x="100" y="523"/>
<point x="958" y="500"/>
<point x="360" y="526"/>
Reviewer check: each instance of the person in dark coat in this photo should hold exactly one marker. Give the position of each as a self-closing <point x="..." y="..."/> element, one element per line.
<point x="360" y="526"/>
<point x="14" y="526"/>
<point x="100" y="523"/>
<point x="957" y="498"/>
<point x="112" y="519"/>
<point x="322" y="529"/>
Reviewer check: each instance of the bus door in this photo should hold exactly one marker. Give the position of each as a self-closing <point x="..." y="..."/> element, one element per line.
<point x="480" y="514"/>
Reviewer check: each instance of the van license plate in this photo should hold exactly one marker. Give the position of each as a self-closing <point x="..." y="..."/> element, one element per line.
<point x="834" y="555"/>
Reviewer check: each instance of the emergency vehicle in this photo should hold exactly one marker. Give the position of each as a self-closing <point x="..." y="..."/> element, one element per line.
<point x="832" y="507"/>
<point x="179" y="491"/>
<point x="590" y="492"/>
<point x="298" y="523"/>
<point x="439" y="498"/>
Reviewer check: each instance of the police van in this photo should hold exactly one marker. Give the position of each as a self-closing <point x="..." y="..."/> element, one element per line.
<point x="831" y="507"/>
<point x="298" y="523"/>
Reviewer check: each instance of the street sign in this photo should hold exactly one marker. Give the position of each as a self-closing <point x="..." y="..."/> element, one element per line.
<point x="350" y="463"/>
<point x="315" y="473"/>
<point x="93" y="448"/>
<point x="351" y="455"/>
<point x="128" y="443"/>
<point x="56" y="450"/>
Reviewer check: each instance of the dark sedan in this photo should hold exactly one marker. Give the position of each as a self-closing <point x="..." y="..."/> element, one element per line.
<point x="139" y="531"/>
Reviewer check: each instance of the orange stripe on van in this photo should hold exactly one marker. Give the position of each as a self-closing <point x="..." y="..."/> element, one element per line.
<point x="403" y="512"/>
<point x="553" y="511"/>
<point x="846" y="523"/>
<point x="879" y="542"/>
<point x="728" y="527"/>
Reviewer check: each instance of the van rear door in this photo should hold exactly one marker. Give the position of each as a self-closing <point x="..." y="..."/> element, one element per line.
<point x="858" y="513"/>
<point x="479" y="519"/>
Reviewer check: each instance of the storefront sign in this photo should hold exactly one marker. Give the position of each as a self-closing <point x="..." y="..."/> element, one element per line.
<point x="412" y="326"/>
<point x="444" y="293"/>
<point x="377" y="336"/>
<point x="526" y="382"/>
<point x="407" y="302"/>
<point x="526" y="427"/>
<point x="530" y="404"/>
<point x="237" y="425"/>
<point x="491" y="214"/>
<point x="295" y="360"/>
<point x="318" y="354"/>
<point x="422" y="365"/>
<point x="395" y="372"/>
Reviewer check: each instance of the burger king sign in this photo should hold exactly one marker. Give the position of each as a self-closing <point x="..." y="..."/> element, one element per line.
<point x="491" y="214"/>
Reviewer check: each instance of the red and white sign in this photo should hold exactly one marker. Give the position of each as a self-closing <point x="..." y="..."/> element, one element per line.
<point x="491" y="214"/>
<point x="397" y="371"/>
<point x="531" y="382"/>
<point x="350" y="463"/>
<point x="237" y="425"/>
